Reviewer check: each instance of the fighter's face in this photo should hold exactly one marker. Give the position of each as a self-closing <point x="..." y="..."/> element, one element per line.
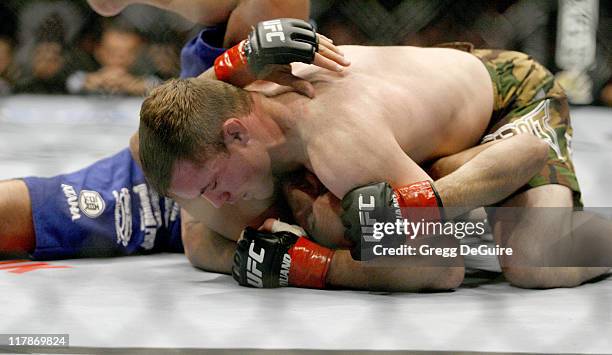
<point x="239" y="174"/>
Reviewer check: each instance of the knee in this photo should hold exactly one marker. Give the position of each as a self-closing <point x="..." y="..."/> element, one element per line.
<point x="519" y="269"/>
<point x="449" y="278"/>
<point x="523" y="277"/>
<point x="541" y="277"/>
<point x="537" y="147"/>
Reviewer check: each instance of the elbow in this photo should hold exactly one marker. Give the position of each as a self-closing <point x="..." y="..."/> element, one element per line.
<point x="438" y="169"/>
<point x="190" y="248"/>
<point x="193" y="245"/>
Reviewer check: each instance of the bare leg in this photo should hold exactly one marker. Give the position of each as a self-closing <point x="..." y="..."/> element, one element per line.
<point x="551" y="236"/>
<point x="207" y="12"/>
<point x="16" y="226"/>
<point x="109" y="7"/>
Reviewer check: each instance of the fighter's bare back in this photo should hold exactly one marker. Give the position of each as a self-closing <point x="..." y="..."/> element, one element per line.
<point x="390" y="104"/>
<point x="393" y="101"/>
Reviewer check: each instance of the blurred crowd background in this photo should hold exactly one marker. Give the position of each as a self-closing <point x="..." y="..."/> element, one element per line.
<point x="63" y="47"/>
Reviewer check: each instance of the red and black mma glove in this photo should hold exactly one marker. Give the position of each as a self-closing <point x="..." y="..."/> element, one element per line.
<point x="269" y="260"/>
<point x="280" y="41"/>
<point x="381" y="203"/>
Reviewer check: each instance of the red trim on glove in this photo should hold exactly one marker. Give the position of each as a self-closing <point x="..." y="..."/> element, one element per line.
<point x="419" y="194"/>
<point x="309" y="264"/>
<point x="232" y="66"/>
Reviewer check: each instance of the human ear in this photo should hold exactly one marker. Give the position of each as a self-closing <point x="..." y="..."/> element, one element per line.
<point x="234" y="131"/>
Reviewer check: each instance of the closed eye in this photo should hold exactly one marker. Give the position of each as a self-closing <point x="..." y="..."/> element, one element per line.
<point x="208" y="188"/>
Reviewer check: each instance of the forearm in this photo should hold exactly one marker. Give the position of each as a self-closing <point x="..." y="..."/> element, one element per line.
<point x="249" y="12"/>
<point x="401" y="274"/>
<point x="446" y="165"/>
<point x="477" y="177"/>
<point x="206" y="249"/>
<point x="492" y="174"/>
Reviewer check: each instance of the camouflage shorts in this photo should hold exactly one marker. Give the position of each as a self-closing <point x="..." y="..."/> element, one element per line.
<point x="529" y="100"/>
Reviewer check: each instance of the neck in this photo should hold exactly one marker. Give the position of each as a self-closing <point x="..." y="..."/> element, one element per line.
<point x="278" y="127"/>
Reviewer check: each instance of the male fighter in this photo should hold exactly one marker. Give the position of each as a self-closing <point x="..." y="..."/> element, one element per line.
<point x="106" y="199"/>
<point x="201" y="138"/>
<point x="108" y="209"/>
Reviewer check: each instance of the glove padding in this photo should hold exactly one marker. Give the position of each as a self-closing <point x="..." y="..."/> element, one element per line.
<point x="364" y="206"/>
<point x="380" y="203"/>
<point x="262" y="259"/>
<point x="280" y="41"/>
<point x="268" y="260"/>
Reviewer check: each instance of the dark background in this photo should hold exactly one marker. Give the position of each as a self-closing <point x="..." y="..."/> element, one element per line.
<point x="526" y="25"/>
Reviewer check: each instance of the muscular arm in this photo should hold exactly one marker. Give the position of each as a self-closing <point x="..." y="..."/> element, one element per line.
<point x="487" y="174"/>
<point x="476" y="177"/>
<point x="205" y="248"/>
<point x="398" y="274"/>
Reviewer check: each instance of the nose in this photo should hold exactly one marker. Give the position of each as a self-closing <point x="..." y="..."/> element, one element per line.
<point x="217" y="199"/>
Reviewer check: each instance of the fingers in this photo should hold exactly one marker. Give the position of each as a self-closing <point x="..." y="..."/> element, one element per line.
<point x="340" y="60"/>
<point x="267" y="225"/>
<point x="327" y="63"/>
<point x="329" y="56"/>
<point x="326" y="42"/>
<point x="325" y="38"/>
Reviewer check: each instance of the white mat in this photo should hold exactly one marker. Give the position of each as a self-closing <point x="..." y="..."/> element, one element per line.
<point x="161" y="302"/>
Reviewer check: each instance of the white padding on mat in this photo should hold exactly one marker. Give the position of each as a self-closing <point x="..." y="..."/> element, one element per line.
<point x="160" y="301"/>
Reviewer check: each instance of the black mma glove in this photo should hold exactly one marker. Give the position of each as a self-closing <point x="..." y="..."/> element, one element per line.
<point x="269" y="260"/>
<point x="381" y="203"/>
<point x="280" y="41"/>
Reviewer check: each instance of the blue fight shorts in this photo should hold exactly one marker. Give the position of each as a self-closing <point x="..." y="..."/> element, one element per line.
<point x="106" y="209"/>
<point x="200" y="53"/>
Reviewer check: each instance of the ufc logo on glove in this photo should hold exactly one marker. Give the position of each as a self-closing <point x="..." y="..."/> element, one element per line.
<point x="276" y="30"/>
<point x="366" y="222"/>
<point x="254" y="275"/>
